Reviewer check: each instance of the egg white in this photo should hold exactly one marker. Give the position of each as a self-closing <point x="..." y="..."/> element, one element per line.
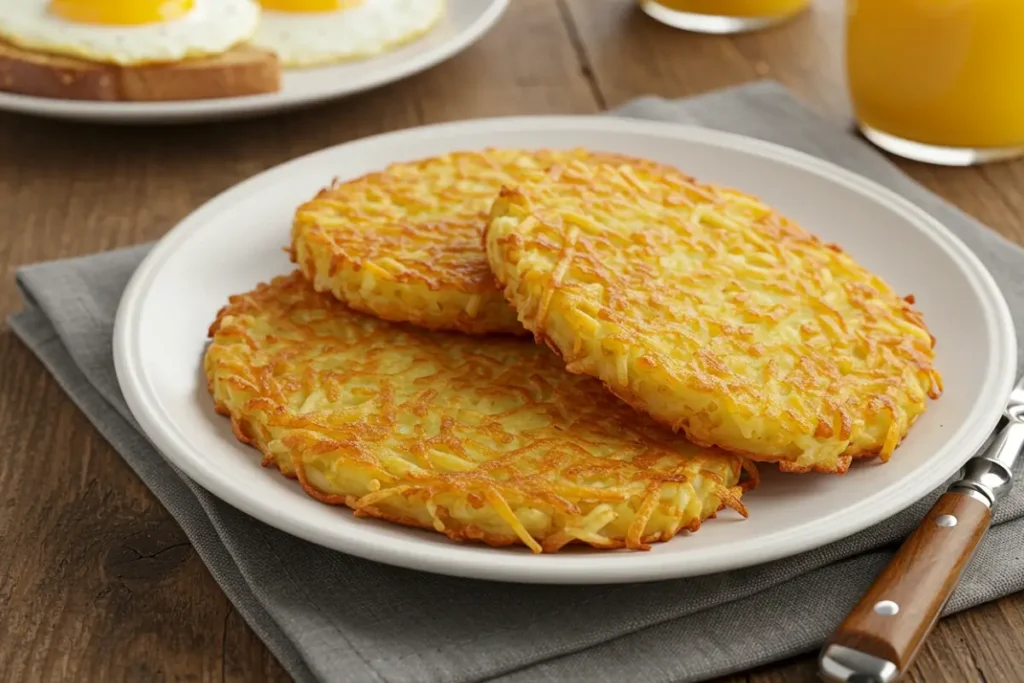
<point x="211" y="27"/>
<point x="316" y="38"/>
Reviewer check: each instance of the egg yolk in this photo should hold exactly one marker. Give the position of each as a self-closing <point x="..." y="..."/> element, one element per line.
<point x="120" y="12"/>
<point x="309" y="5"/>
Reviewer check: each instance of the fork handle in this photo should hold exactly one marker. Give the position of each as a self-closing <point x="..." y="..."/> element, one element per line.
<point x="895" y="615"/>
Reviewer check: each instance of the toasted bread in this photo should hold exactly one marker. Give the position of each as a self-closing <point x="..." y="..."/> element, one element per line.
<point x="243" y="70"/>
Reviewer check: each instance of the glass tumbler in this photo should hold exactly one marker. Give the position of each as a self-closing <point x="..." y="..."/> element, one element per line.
<point x="938" y="81"/>
<point x="722" y="16"/>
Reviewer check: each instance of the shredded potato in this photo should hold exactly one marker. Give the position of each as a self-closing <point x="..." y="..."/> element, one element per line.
<point x="406" y="243"/>
<point x="479" y="438"/>
<point x="708" y="310"/>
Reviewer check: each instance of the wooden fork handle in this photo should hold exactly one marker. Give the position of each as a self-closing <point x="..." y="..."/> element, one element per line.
<point x="897" y="612"/>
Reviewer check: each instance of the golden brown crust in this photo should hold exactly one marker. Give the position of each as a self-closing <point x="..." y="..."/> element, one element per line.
<point x="480" y="438"/>
<point x="405" y="243"/>
<point x="243" y="70"/>
<point x="473" y="533"/>
<point x="706" y="309"/>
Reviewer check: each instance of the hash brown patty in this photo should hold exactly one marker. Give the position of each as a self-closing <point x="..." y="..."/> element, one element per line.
<point x="710" y="311"/>
<point x="481" y="438"/>
<point x="405" y="243"/>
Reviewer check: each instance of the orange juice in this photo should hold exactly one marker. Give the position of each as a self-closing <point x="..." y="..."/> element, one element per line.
<point x="737" y="8"/>
<point x="942" y="73"/>
<point x="722" y="16"/>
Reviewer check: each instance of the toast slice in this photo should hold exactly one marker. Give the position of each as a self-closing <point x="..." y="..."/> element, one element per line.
<point x="243" y="70"/>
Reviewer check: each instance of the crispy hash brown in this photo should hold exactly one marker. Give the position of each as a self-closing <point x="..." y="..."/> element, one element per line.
<point x="405" y="244"/>
<point x="486" y="439"/>
<point x="708" y="310"/>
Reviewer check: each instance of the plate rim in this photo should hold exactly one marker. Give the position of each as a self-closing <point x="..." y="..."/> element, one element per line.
<point x="249" y="105"/>
<point x="562" y="569"/>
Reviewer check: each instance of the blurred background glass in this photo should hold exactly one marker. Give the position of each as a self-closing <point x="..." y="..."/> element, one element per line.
<point x="940" y="81"/>
<point x="723" y="16"/>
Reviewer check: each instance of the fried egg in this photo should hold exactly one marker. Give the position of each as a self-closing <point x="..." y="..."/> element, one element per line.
<point x="316" y="32"/>
<point x="128" y="32"/>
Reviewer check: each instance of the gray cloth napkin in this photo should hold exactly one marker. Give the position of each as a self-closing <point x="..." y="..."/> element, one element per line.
<point x="331" y="617"/>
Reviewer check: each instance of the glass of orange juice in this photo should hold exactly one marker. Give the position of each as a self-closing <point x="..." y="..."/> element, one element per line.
<point x="722" y="16"/>
<point x="940" y="81"/>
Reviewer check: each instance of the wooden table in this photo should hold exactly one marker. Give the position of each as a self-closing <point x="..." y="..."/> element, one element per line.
<point x="97" y="582"/>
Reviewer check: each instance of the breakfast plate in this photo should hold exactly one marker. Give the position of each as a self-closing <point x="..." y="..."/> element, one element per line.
<point x="465" y="22"/>
<point x="235" y="241"/>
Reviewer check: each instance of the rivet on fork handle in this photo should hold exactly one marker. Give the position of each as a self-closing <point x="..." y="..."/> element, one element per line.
<point x="881" y="636"/>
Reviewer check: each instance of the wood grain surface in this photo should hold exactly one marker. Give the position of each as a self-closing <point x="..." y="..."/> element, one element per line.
<point x="97" y="582"/>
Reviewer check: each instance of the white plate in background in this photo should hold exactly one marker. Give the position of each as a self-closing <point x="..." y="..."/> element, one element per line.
<point x="235" y="241"/>
<point x="465" y="22"/>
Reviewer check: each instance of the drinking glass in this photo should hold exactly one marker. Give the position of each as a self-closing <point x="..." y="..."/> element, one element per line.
<point x="722" y="16"/>
<point x="939" y="81"/>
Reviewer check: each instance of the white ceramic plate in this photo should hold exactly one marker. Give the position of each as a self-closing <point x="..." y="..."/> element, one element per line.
<point x="464" y="23"/>
<point x="236" y="240"/>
